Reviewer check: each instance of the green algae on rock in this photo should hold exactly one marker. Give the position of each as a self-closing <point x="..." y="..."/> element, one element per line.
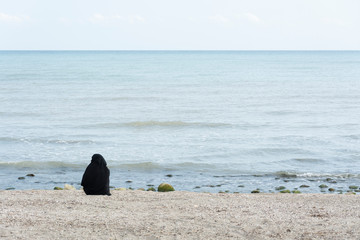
<point x="280" y="188"/>
<point x="285" y="191"/>
<point x="323" y="186"/>
<point x="165" y="187"/>
<point x="151" y="189"/>
<point x="58" y="188"/>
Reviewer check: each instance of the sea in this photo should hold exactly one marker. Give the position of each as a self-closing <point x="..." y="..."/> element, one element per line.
<point x="203" y="121"/>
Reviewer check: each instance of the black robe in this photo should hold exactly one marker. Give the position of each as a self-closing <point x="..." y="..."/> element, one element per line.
<point x="96" y="177"/>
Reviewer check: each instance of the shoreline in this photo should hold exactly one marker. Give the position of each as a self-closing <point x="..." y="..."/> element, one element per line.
<point x="193" y="182"/>
<point x="70" y="214"/>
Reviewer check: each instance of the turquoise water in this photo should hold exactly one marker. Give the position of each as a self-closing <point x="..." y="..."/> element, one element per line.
<point x="214" y="120"/>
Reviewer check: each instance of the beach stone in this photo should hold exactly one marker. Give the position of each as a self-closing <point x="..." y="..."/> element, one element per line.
<point x="21" y="178"/>
<point x="169" y="175"/>
<point x="69" y="187"/>
<point x="350" y="193"/>
<point x="197" y="187"/>
<point x="331" y="190"/>
<point x="280" y="188"/>
<point x="129" y="181"/>
<point x="58" y="188"/>
<point x="330" y="180"/>
<point x="285" y="191"/>
<point x="304" y="186"/>
<point x="323" y="186"/>
<point x="30" y="175"/>
<point x="10" y="188"/>
<point x="120" y="189"/>
<point x="255" y="191"/>
<point x="151" y="189"/>
<point x="353" y="187"/>
<point x="165" y="187"/>
<point x="296" y="191"/>
<point x="241" y="186"/>
<point x="141" y="189"/>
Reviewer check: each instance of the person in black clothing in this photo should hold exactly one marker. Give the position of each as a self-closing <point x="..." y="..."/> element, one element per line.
<point x="96" y="177"/>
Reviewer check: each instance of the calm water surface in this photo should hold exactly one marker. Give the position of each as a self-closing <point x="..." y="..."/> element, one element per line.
<point x="215" y="121"/>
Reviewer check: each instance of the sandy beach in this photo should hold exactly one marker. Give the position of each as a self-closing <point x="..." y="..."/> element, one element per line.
<point x="67" y="214"/>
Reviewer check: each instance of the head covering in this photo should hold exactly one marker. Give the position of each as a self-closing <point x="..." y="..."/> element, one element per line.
<point x="96" y="177"/>
<point x="98" y="159"/>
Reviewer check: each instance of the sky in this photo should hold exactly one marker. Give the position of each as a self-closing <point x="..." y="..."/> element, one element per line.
<point x="180" y="25"/>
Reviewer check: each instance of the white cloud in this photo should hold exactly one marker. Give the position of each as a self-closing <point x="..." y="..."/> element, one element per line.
<point x="99" y="17"/>
<point x="252" y="17"/>
<point x="335" y="22"/>
<point x="220" y="19"/>
<point x="12" y="18"/>
<point x="114" y="18"/>
<point x="136" y="18"/>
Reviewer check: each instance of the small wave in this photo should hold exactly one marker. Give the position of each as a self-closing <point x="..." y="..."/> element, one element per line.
<point x="174" y="124"/>
<point x="280" y="113"/>
<point x="352" y="137"/>
<point x="40" y="165"/>
<point x="111" y="99"/>
<point x="148" y="166"/>
<point x="280" y="150"/>
<point x="41" y="140"/>
<point x="328" y="175"/>
<point x="308" y="160"/>
<point x="285" y="174"/>
<point x="150" y="124"/>
<point x="19" y="114"/>
<point x="137" y="166"/>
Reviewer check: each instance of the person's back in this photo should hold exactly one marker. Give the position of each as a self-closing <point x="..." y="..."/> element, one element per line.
<point x="96" y="177"/>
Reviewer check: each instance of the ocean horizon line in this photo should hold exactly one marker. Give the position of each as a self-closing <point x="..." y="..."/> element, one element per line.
<point x="181" y="50"/>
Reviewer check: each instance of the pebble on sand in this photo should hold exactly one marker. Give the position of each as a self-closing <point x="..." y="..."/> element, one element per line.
<point x="165" y="187"/>
<point x="69" y="187"/>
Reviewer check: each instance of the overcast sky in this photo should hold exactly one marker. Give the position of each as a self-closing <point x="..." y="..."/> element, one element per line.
<point x="180" y="24"/>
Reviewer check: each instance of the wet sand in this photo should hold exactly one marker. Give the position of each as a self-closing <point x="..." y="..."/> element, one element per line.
<point x="67" y="214"/>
